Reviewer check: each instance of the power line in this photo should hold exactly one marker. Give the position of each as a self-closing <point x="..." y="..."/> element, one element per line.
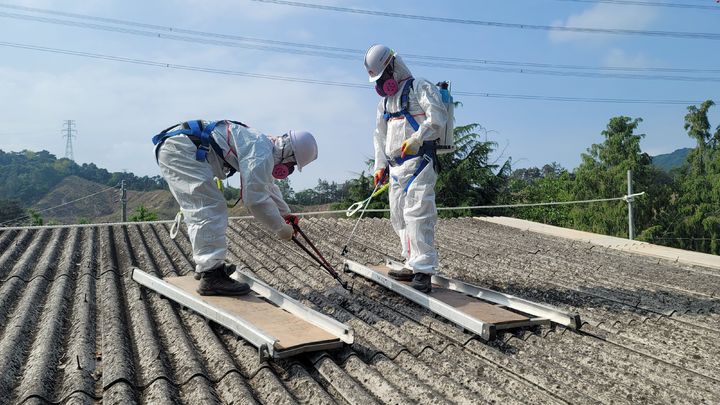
<point x="58" y="206"/>
<point x="357" y="53"/>
<point x="472" y="207"/>
<point x="181" y="67"/>
<point x="650" y="4"/>
<point x="317" y="50"/>
<point x="333" y="83"/>
<point x="497" y="24"/>
<point x="340" y="49"/>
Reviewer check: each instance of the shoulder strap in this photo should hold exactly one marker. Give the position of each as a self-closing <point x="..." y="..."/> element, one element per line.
<point x="404" y="104"/>
<point x="405" y="96"/>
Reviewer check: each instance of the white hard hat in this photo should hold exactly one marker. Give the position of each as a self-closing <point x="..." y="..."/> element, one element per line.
<point x="304" y="147"/>
<point x="377" y="58"/>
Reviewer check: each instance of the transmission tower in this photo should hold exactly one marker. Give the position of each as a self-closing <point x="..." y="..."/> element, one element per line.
<point x="69" y="133"/>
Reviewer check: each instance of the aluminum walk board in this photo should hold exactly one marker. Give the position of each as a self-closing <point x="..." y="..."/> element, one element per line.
<point x="457" y="302"/>
<point x="257" y="317"/>
<point x="542" y="311"/>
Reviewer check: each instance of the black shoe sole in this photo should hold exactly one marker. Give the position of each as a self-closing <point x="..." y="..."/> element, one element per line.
<point x="223" y="293"/>
<point x="401" y="277"/>
<point x="425" y="290"/>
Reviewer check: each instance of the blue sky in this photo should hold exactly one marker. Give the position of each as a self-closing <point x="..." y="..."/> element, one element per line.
<point x="118" y="106"/>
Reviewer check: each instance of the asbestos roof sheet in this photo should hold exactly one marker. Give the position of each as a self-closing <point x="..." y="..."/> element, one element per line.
<point x="75" y="328"/>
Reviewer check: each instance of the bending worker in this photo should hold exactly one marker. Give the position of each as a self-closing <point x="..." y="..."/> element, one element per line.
<point x="410" y="116"/>
<point x="191" y="154"/>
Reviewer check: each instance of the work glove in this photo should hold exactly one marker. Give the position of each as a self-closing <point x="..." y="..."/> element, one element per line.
<point x="379" y="177"/>
<point x="286" y="232"/>
<point x="291" y="219"/>
<point x="410" y="146"/>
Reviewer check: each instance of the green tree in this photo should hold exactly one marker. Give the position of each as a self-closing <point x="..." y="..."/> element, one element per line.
<point x="359" y="189"/>
<point x="697" y="222"/>
<point x="287" y="191"/>
<point x="142" y="214"/>
<point x="551" y="183"/>
<point x="10" y="210"/>
<point x="27" y="176"/>
<point x="603" y="174"/>
<point x="467" y="177"/>
<point x="35" y="218"/>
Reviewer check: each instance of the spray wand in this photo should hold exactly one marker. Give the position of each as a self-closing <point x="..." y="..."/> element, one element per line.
<point x="363" y="204"/>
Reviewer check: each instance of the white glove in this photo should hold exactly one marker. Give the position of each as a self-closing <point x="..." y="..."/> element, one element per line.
<point x="286" y="232"/>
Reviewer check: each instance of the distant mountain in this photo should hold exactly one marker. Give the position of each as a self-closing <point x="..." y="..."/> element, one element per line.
<point x="28" y="176"/>
<point x="60" y="205"/>
<point x="669" y="161"/>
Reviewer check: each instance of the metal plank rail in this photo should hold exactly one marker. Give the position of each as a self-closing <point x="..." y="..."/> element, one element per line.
<point x="322" y="321"/>
<point x="570" y="320"/>
<point x="236" y="324"/>
<point x="484" y="321"/>
<point x="541" y="311"/>
<point x="485" y="330"/>
<point x="267" y="344"/>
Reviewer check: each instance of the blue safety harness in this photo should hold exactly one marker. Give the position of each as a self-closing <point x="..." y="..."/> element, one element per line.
<point x="201" y="135"/>
<point x="428" y="150"/>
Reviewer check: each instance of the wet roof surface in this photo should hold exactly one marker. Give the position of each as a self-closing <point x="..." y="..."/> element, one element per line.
<point x="74" y="327"/>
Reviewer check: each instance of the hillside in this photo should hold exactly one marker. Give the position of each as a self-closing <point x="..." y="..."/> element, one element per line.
<point x="669" y="161"/>
<point x="28" y="176"/>
<point x="102" y="207"/>
<point x="105" y="206"/>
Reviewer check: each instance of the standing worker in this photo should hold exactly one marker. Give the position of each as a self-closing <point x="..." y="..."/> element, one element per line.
<point x="193" y="153"/>
<point x="410" y="116"/>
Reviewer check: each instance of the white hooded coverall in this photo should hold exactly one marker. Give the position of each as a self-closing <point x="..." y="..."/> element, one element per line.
<point x="191" y="182"/>
<point x="413" y="213"/>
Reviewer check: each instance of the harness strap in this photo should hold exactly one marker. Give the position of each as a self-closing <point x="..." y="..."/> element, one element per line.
<point x="404" y="106"/>
<point x="427" y="148"/>
<point x="201" y="135"/>
<point x="421" y="166"/>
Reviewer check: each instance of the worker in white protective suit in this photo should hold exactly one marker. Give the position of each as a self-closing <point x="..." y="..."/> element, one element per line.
<point x="410" y="116"/>
<point x="192" y="154"/>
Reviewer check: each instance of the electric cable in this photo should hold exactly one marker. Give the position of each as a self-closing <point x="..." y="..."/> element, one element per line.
<point x="499" y="24"/>
<point x="328" y="51"/>
<point x="58" y="206"/>
<point x="333" y="83"/>
<point x="479" y="207"/>
<point x="649" y="4"/>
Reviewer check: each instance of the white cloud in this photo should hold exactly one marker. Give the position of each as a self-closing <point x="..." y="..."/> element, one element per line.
<point x="618" y="57"/>
<point x="118" y="108"/>
<point x="604" y="15"/>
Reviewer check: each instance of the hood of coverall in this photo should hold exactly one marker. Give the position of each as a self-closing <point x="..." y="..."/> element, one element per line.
<point x="401" y="71"/>
<point x="282" y="150"/>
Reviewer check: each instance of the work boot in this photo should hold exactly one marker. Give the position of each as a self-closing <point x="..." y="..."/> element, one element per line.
<point x="229" y="269"/>
<point x="401" y="274"/>
<point x="218" y="282"/>
<point x="421" y="282"/>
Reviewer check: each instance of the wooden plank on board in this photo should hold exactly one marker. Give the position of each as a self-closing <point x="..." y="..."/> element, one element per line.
<point x="291" y="331"/>
<point x="484" y="311"/>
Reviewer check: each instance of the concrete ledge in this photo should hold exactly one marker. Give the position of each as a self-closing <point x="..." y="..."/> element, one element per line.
<point x="643" y="248"/>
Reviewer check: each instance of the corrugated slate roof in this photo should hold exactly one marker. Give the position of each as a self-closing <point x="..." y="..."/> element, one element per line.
<point x="74" y="327"/>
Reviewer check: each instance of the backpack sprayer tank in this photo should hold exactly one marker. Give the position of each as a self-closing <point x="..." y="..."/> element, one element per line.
<point x="446" y="142"/>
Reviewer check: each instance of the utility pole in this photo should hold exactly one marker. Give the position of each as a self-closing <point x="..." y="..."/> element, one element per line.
<point x="69" y="133"/>
<point x="630" y="198"/>
<point x="123" y="200"/>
